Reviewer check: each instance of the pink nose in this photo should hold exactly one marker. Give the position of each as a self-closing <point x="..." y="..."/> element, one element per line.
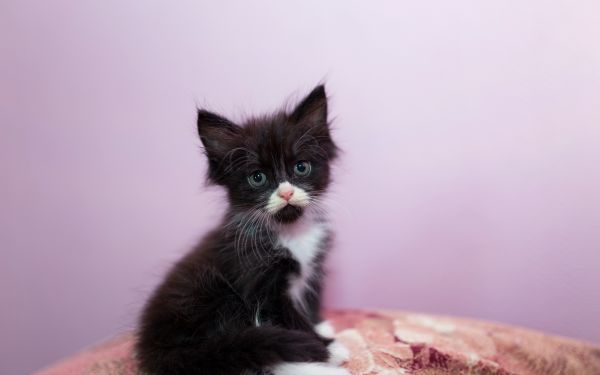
<point x="286" y="192"/>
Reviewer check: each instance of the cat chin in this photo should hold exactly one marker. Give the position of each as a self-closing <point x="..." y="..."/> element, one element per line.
<point x="288" y="214"/>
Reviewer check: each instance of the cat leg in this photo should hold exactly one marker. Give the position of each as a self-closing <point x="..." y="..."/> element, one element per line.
<point x="292" y="318"/>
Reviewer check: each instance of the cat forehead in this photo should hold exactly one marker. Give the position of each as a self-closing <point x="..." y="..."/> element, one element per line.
<point x="277" y="136"/>
<point x="276" y="125"/>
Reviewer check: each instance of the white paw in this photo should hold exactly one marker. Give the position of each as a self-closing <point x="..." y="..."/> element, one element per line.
<point x="308" y="368"/>
<point x="325" y="329"/>
<point x="338" y="353"/>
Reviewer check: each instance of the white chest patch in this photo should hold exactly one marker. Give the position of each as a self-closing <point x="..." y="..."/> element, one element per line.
<point x="304" y="240"/>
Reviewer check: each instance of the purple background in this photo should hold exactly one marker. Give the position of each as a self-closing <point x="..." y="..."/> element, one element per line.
<point x="470" y="182"/>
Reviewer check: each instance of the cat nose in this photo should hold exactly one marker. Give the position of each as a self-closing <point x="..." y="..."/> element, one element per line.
<point x="285" y="191"/>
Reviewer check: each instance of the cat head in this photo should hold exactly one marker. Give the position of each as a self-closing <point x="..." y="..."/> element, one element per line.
<point x="274" y="166"/>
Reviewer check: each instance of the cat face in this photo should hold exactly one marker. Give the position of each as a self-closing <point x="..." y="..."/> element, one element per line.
<point x="275" y="166"/>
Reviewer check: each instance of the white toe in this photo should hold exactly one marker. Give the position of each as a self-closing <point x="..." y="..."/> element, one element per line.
<point x="325" y="329"/>
<point x="338" y="353"/>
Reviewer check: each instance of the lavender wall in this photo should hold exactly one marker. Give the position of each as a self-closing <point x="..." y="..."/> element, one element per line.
<point x="470" y="183"/>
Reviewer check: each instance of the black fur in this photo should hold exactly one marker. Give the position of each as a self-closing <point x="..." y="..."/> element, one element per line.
<point x="201" y="319"/>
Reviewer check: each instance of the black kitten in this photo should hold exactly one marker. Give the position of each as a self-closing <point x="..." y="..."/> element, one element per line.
<point x="247" y="298"/>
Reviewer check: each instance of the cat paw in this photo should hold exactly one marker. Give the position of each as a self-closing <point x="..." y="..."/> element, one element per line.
<point x="325" y="329"/>
<point x="338" y="353"/>
<point x="336" y="371"/>
<point x="308" y="368"/>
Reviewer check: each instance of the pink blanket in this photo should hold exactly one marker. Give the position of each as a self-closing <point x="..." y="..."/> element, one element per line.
<point x="386" y="343"/>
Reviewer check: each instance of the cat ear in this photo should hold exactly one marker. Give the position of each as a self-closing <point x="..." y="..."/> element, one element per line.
<point x="312" y="110"/>
<point x="218" y="135"/>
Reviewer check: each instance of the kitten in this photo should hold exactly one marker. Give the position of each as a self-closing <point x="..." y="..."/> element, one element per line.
<point x="246" y="300"/>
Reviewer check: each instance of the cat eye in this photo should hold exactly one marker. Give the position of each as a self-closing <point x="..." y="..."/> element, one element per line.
<point x="302" y="168"/>
<point x="257" y="179"/>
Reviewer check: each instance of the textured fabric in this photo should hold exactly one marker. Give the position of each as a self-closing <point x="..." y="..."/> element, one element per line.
<point x="386" y="343"/>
